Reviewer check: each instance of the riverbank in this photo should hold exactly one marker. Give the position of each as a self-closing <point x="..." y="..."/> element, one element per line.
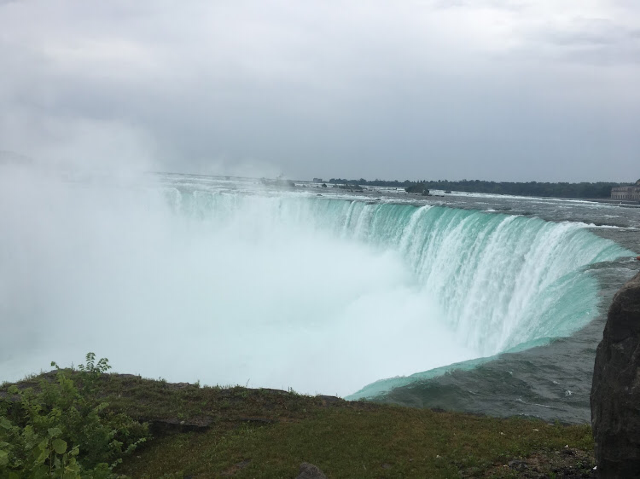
<point x="214" y="431"/>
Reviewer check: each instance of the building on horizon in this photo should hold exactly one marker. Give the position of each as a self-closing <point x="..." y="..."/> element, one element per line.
<point x="627" y="193"/>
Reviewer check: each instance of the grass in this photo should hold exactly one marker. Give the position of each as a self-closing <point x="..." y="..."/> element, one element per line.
<point x="215" y="432"/>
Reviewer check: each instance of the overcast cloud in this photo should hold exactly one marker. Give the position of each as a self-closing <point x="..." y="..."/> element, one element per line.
<point x="492" y="89"/>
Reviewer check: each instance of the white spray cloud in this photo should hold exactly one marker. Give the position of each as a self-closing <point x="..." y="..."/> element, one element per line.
<point x="257" y="296"/>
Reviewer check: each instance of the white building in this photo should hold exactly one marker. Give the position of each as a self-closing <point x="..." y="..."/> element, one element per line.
<point x="628" y="193"/>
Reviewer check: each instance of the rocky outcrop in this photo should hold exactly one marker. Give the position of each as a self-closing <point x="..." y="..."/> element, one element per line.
<point x="418" y="188"/>
<point x="615" y="393"/>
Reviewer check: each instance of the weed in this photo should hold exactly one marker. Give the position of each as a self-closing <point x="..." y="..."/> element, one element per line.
<point x="61" y="431"/>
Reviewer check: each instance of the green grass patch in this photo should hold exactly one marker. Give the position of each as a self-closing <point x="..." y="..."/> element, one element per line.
<point x="217" y="432"/>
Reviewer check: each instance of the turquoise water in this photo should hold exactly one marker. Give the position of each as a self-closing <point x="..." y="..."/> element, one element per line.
<point x="501" y="280"/>
<point x="362" y="296"/>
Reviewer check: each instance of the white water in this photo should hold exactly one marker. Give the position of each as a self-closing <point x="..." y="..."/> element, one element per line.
<point x="274" y="291"/>
<point x="247" y="300"/>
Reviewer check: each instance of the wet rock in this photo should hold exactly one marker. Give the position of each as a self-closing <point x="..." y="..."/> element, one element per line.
<point x="309" y="471"/>
<point x="615" y="393"/>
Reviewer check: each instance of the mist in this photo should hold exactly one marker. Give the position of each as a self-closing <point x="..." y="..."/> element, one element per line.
<point x="251" y="295"/>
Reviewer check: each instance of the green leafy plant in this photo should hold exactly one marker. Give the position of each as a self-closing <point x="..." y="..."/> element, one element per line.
<point x="62" y="430"/>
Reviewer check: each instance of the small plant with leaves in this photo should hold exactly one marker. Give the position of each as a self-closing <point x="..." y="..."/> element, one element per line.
<point x="61" y="430"/>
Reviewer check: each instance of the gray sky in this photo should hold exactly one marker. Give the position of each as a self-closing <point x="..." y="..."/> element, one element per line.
<point x="518" y="90"/>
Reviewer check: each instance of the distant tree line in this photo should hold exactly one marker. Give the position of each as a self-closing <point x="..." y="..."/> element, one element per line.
<point x="376" y="182"/>
<point x="533" y="188"/>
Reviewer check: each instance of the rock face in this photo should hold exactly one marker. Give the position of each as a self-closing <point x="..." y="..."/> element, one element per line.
<point x="615" y="393"/>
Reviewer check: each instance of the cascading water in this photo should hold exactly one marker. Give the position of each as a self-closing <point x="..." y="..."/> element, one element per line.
<point x="501" y="280"/>
<point x="278" y="289"/>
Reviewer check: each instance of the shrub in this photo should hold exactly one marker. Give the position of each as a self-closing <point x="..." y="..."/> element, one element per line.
<point x="62" y="430"/>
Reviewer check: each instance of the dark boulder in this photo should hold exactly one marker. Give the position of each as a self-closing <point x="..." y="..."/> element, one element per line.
<point x="615" y="393"/>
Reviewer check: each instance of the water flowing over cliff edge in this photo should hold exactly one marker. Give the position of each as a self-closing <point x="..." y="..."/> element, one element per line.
<point x="190" y="281"/>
